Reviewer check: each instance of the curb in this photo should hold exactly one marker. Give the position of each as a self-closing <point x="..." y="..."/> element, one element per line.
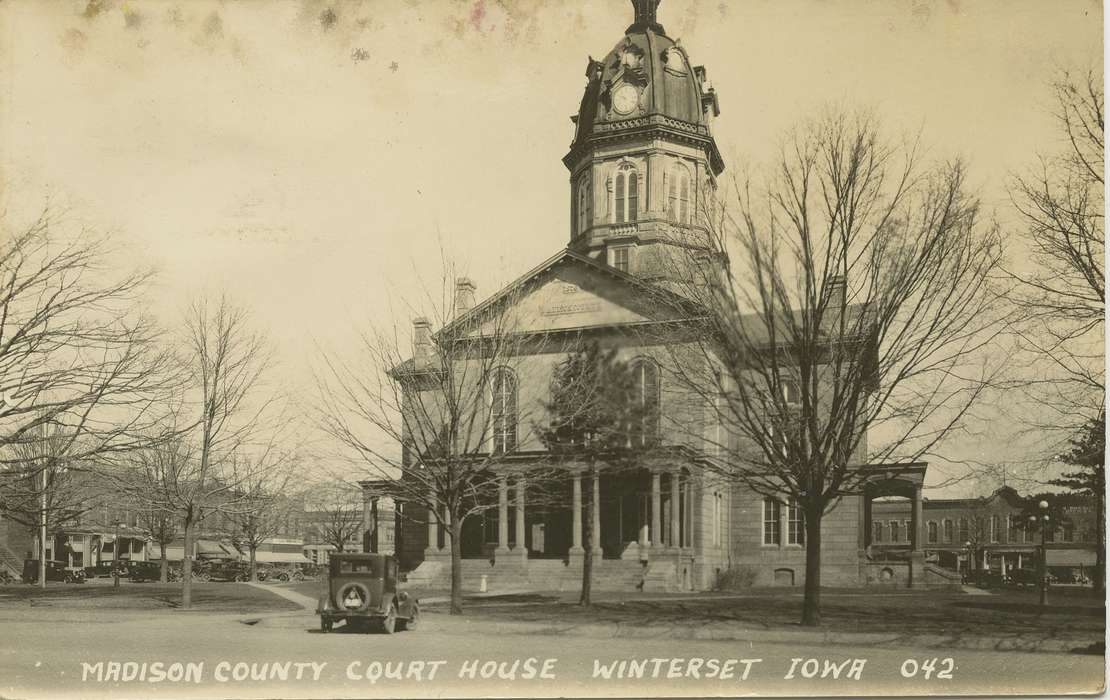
<point x="782" y="636"/>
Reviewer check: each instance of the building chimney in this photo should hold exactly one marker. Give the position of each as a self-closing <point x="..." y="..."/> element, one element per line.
<point x="464" y="296"/>
<point x="422" y="342"/>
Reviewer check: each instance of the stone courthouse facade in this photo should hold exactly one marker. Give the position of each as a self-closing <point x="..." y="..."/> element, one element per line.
<point x="642" y="162"/>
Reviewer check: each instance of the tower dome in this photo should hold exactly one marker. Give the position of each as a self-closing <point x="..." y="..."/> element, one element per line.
<point x="643" y="163"/>
<point x="646" y="81"/>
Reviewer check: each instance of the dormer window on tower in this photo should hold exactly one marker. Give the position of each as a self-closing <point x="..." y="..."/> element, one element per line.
<point x="626" y="193"/>
<point x="679" y="188"/>
<point x="582" y="203"/>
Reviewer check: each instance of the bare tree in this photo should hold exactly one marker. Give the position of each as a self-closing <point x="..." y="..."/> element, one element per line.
<point x="74" y="352"/>
<point x="262" y="480"/>
<point x="855" y="307"/>
<point x="226" y="360"/>
<point x="337" y="513"/>
<point x="1060" y="298"/>
<point x="443" y="423"/>
<point x="81" y="372"/>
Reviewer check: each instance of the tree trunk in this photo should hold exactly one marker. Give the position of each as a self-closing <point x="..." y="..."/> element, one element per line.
<point x="164" y="570"/>
<point x="254" y="561"/>
<point x="455" y="531"/>
<point x="587" y="554"/>
<point x="187" y="566"/>
<point x="811" y="605"/>
<point x="1098" y="576"/>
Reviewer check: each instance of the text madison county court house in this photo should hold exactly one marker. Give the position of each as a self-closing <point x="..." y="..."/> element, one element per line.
<point x="642" y="160"/>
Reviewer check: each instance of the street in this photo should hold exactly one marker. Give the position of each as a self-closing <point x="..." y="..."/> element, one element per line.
<point x="98" y="653"/>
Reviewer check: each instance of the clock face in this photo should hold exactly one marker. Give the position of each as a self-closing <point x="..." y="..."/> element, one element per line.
<point x="625" y="99"/>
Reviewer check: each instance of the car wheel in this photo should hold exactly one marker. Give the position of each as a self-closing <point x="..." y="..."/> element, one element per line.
<point x="283" y="577"/>
<point x="202" y="577"/>
<point x="325" y="625"/>
<point x="389" y="622"/>
<point x="240" y="578"/>
<point x="409" y="623"/>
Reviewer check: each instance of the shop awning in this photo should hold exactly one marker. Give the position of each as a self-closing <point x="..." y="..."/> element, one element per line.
<point x="210" y="549"/>
<point x="281" y="558"/>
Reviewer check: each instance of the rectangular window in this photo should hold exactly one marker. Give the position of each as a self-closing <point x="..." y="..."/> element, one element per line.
<point x="621" y="259"/>
<point x="795" y="523"/>
<point x="771" y="512"/>
<point x="933" y="533"/>
<point x="1069" y="532"/>
<point x="876" y="531"/>
<point x="1049" y="533"/>
<point x="996" y="526"/>
<point x="964" y="532"/>
<point x="894" y="533"/>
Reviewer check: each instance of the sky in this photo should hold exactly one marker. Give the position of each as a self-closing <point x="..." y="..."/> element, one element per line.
<point x="313" y="158"/>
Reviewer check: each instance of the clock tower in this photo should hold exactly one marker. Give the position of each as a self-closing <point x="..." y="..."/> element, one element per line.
<point x="643" y="162"/>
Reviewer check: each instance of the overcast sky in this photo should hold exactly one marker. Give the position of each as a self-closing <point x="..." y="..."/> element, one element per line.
<point x="310" y="157"/>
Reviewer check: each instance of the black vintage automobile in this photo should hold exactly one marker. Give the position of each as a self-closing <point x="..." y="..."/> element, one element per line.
<point x="362" y="589"/>
<point x="55" y="571"/>
<point x="145" y="571"/>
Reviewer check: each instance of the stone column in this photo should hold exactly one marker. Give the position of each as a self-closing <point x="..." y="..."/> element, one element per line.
<point x="502" y="516"/>
<point x="917" y="551"/>
<point x="375" y="534"/>
<point x="521" y="545"/>
<point x="576" y="515"/>
<point x="676" y="525"/>
<point x="367" y="522"/>
<point x="656" y="510"/>
<point x="1019" y="560"/>
<point x="918" y="520"/>
<point x="596" y="534"/>
<point x="433" y="533"/>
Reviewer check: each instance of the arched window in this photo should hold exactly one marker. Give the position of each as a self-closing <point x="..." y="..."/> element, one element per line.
<point x="583" y="205"/>
<point x="645" y="431"/>
<point x="964" y="532"/>
<point x="996" y="526"/>
<point x="679" y="191"/>
<point x="626" y="193"/>
<point x="948" y="530"/>
<point x="503" y="414"/>
<point x="933" y="533"/>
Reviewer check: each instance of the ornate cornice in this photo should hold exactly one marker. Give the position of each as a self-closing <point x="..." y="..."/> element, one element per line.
<point x="651" y="125"/>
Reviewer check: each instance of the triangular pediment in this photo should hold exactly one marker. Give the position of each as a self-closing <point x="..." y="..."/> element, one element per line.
<point x="572" y="291"/>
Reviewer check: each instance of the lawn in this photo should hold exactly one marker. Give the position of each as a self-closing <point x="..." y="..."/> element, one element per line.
<point x="207" y="597"/>
<point x="1071" y="615"/>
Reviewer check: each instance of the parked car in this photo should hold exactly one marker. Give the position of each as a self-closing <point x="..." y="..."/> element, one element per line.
<point x="55" y="571"/>
<point x="1024" y="577"/>
<point x="362" y="590"/>
<point x="145" y="571"/>
<point x="228" y="571"/>
<point x="985" y="579"/>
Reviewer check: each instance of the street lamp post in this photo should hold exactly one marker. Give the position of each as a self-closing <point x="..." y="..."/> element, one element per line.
<point x="115" y="558"/>
<point x="1043" y="562"/>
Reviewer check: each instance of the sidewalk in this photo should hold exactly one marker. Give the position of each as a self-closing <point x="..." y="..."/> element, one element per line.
<point x="475" y="625"/>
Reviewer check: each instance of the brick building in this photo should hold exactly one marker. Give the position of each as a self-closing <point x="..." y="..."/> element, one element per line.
<point x="992" y="532"/>
<point x="642" y="162"/>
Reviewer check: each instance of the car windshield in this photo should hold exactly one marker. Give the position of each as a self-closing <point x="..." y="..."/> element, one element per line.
<point x="361" y="566"/>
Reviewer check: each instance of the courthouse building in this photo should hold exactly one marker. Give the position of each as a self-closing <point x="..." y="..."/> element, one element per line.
<point x="642" y="162"/>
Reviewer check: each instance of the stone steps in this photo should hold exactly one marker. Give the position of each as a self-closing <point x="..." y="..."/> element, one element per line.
<point x="548" y="574"/>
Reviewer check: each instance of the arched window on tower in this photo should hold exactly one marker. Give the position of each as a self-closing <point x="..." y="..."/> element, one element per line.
<point x="504" y="413"/>
<point x="645" y="430"/>
<point x="583" y="205"/>
<point x="679" y="191"/>
<point x="626" y="193"/>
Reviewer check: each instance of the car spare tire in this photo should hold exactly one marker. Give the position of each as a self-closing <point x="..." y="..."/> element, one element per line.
<point x="353" y="596"/>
